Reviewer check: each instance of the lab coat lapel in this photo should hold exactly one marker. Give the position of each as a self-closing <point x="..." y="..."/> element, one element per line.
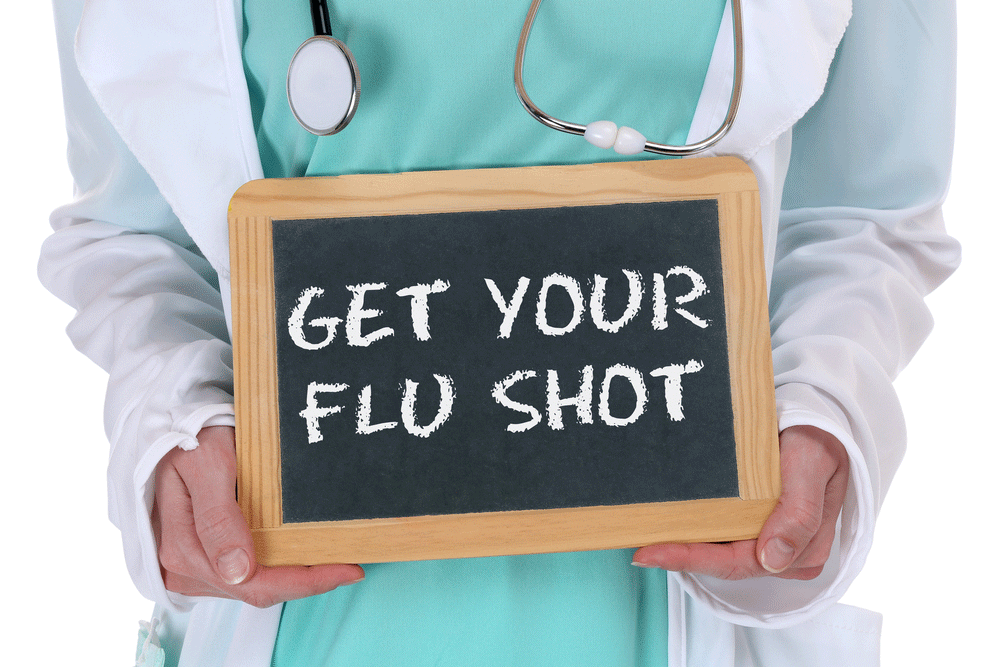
<point x="787" y="54"/>
<point x="169" y="77"/>
<point x="788" y="50"/>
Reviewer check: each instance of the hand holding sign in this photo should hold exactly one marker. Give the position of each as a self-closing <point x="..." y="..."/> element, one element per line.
<point x="204" y="542"/>
<point x="795" y="541"/>
<point x="194" y="490"/>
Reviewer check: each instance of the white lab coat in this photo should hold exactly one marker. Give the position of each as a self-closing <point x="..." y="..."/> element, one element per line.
<point x="161" y="136"/>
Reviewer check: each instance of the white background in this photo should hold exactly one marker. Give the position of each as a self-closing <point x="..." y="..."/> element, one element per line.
<point x="932" y="572"/>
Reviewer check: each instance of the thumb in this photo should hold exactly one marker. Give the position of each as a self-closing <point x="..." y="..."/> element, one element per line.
<point x="778" y="554"/>
<point x="234" y="563"/>
<point x="808" y="500"/>
<point x="789" y="530"/>
<point x="218" y="521"/>
<point x="224" y="535"/>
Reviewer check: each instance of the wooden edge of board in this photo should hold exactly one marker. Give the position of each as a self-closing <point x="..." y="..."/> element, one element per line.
<point x="751" y="369"/>
<point x="510" y="533"/>
<point x="491" y="189"/>
<point x="255" y="375"/>
<point x="258" y="203"/>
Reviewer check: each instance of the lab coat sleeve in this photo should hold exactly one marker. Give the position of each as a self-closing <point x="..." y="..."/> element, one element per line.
<point x="860" y="243"/>
<point x="148" y="311"/>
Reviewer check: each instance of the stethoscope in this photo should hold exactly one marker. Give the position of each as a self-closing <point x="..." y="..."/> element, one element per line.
<point x="322" y="83"/>
<point x="323" y="90"/>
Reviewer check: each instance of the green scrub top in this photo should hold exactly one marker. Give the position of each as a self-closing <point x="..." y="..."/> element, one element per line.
<point x="437" y="92"/>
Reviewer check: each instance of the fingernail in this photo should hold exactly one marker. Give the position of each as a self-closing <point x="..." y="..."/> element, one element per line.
<point x="645" y="565"/>
<point x="234" y="566"/>
<point x="777" y="555"/>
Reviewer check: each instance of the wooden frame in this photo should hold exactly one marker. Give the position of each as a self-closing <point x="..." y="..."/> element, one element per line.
<point x="727" y="180"/>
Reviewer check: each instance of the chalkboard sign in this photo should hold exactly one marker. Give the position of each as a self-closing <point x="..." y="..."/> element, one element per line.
<point x="487" y="362"/>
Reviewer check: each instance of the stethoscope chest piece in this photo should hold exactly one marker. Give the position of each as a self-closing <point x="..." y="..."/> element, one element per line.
<point x="323" y="85"/>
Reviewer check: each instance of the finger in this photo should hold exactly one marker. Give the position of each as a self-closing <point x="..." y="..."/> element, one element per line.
<point x="209" y="474"/>
<point x="179" y="583"/>
<point x="731" y="561"/>
<point x="225" y="539"/>
<point x="809" y="465"/>
<point x="727" y="560"/>
<point x="272" y="585"/>
<point x="818" y="552"/>
<point x="180" y="550"/>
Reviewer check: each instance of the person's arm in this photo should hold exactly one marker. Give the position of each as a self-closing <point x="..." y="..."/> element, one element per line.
<point x="149" y="312"/>
<point x="861" y="242"/>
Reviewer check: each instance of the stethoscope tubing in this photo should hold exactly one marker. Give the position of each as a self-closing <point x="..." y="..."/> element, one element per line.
<point x="322" y="29"/>
<point x="650" y="147"/>
<point x="321" y="18"/>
